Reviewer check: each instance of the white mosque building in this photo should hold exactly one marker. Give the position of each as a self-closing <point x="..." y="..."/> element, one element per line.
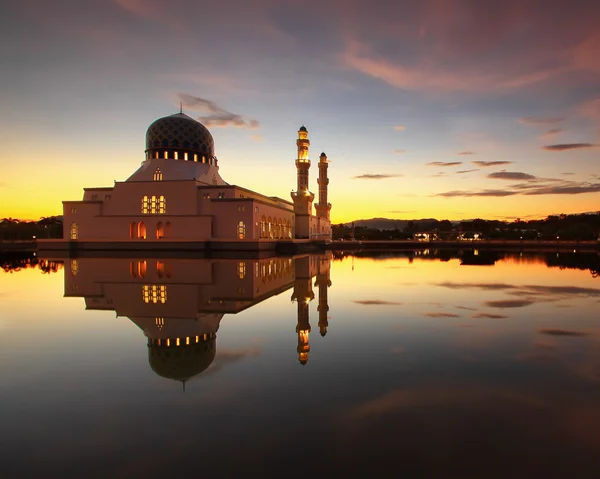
<point x="178" y="194"/>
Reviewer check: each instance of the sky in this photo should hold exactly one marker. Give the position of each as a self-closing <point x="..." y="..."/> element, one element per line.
<point x="447" y="109"/>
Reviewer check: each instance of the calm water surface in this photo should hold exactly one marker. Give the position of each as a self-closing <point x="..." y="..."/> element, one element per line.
<point x="431" y="365"/>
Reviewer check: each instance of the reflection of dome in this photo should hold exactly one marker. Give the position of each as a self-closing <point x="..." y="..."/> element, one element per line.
<point x="181" y="362"/>
<point x="179" y="132"/>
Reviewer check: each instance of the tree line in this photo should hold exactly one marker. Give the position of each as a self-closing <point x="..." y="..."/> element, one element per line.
<point x="20" y="230"/>
<point x="578" y="227"/>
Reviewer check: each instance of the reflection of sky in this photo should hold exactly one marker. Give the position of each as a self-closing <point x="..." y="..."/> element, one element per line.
<point x="408" y="383"/>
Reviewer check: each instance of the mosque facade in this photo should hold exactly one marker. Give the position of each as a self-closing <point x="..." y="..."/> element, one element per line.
<point x="178" y="194"/>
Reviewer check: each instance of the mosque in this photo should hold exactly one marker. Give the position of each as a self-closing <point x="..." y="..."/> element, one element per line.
<point x="177" y="194"/>
<point x="179" y="303"/>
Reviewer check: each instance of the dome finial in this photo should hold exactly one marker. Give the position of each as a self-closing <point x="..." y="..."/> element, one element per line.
<point x="180" y="107"/>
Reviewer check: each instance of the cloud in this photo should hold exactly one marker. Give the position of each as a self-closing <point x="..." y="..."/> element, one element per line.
<point x="541" y="121"/>
<point x="466" y="153"/>
<point x="257" y="138"/>
<point x="562" y="332"/>
<point x="370" y="176"/>
<point x="567" y="189"/>
<point x="439" y="174"/>
<point x="489" y="316"/>
<point x="466" y="308"/>
<point x="399" y="128"/>
<point x="511" y="175"/>
<point x="402" y="211"/>
<point x="399" y="152"/>
<point x="462" y="172"/>
<point x="445" y="163"/>
<point x="509" y="303"/>
<point x="568" y="146"/>
<point x="551" y="133"/>
<point x="483" y="193"/>
<point x="376" y="302"/>
<point x="441" y="315"/>
<point x="214" y="115"/>
<point x="568" y="173"/>
<point x="485" y="164"/>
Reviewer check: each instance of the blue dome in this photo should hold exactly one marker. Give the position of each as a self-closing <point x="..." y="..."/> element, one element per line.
<point x="180" y="132"/>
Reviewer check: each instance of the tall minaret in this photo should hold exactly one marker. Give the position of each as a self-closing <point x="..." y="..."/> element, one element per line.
<point x="302" y="198"/>
<point x="323" y="208"/>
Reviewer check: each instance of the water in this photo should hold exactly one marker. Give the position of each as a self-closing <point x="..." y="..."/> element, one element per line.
<point x="434" y="364"/>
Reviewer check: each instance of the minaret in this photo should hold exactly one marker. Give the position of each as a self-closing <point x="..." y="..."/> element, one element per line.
<point x="323" y="208"/>
<point x="323" y="282"/>
<point x="303" y="294"/>
<point x="302" y="198"/>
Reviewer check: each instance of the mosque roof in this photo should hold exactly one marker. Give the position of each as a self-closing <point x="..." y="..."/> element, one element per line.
<point x="182" y="132"/>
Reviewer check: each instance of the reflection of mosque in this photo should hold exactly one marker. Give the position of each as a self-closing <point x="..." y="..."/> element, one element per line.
<point x="179" y="303"/>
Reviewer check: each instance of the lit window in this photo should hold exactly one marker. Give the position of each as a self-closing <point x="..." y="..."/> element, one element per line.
<point x="241" y="230"/>
<point x="185" y="156"/>
<point x="241" y="269"/>
<point x="73" y="210"/>
<point x="176" y="155"/>
<point x="158" y="175"/>
<point x="160" y="322"/>
<point x="74" y="231"/>
<point x="74" y="267"/>
<point x="154" y="294"/>
<point x="145" y="205"/>
<point x="161" y="269"/>
<point x="166" y="153"/>
<point x="156" y="155"/>
<point x="153" y="205"/>
<point x="141" y="230"/>
<point x="195" y="157"/>
<point x="221" y="194"/>
<point x="206" y="195"/>
<point x="162" y="205"/>
<point x="160" y="230"/>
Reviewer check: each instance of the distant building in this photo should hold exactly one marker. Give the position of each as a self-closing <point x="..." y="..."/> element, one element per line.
<point x="178" y="194"/>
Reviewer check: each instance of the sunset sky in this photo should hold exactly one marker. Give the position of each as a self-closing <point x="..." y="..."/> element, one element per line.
<point x="426" y="108"/>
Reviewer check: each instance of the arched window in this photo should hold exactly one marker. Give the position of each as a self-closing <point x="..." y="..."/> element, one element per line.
<point x="176" y="155"/>
<point x="160" y="230"/>
<point x="74" y="267"/>
<point x="162" y="205"/>
<point x="165" y="154"/>
<point x="185" y="156"/>
<point x="145" y="210"/>
<point x="241" y="269"/>
<point x="158" y="175"/>
<point x="168" y="229"/>
<point x="241" y="230"/>
<point x="269" y="228"/>
<point x="141" y="268"/>
<point x="195" y="156"/>
<point x="141" y="230"/>
<point x="133" y="269"/>
<point x="263" y="227"/>
<point x="156" y="155"/>
<point x="153" y="205"/>
<point x="133" y="230"/>
<point x="74" y="231"/>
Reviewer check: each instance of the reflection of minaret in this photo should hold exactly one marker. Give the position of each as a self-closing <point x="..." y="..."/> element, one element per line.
<point x="323" y="282"/>
<point x="302" y="198"/>
<point x="303" y="294"/>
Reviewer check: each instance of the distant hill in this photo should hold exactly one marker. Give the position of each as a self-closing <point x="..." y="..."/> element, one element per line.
<point x="389" y="224"/>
